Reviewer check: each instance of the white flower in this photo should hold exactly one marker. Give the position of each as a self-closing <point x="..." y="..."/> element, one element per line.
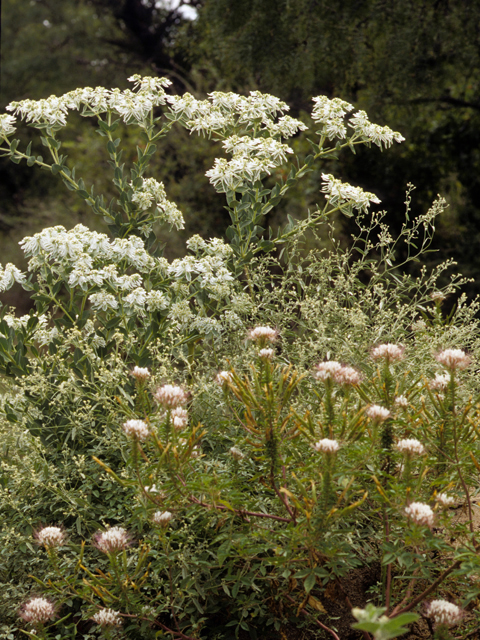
<point x="330" y="113"/>
<point x="401" y="401"/>
<point x="326" y="446"/>
<point x="112" y="540"/>
<point x="347" y="375"/>
<point x="236" y="453"/>
<point x="420" y="513"/>
<point x="444" y="500"/>
<point x="444" y="612"/>
<point x="171" y="396"/>
<point x="137" y="429"/>
<point x="52" y="110"/>
<point x="50" y="536"/>
<point x="140" y="373"/>
<point x="266" y="354"/>
<point x="38" y="610"/>
<point x="162" y="518"/>
<point x="6" y="125"/>
<point x="410" y="446"/>
<point x="377" y="413"/>
<point x="369" y="132"/>
<point x="223" y="377"/>
<point x="453" y="359"/>
<point x="107" y="618"/>
<point x="345" y="196"/>
<point x="150" y="84"/>
<point x="179" y="417"/>
<point x="440" y="382"/>
<point x="263" y="334"/>
<point x="136" y="298"/>
<point x="9" y="275"/>
<point x="102" y="301"/>
<point x="390" y="352"/>
<point x="327" y="370"/>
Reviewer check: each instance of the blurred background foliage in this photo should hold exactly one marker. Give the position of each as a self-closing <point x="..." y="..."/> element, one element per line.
<point x="414" y="66"/>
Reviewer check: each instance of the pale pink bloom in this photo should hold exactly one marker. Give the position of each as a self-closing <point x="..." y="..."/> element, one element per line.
<point x="162" y="518"/>
<point x="137" y="429"/>
<point x="266" y="354"/>
<point x="389" y="351"/>
<point x="50" y="536"/>
<point x="440" y="382"/>
<point x="38" y="610"/>
<point x="171" y="396"/>
<point x="179" y="417"/>
<point x="444" y="612"/>
<point x="107" y="618"/>
<point x="224" y="377"/>
<point x="401" y="401"/>
<point x="410" y="446"/>
<point x="263" y="334"/>
<point x="236" y="453"/>
<point x="326" y="446"/>
<point x="420" y="513"/>
<point x="444" y="500"/>
<point x="112" y="540"/>
<point x="327" y="370"/>
<point x="140" y="373"/>
<point x="377" y="413"/>
<point x="347" y="375"/>
<point x="453" y="359"/>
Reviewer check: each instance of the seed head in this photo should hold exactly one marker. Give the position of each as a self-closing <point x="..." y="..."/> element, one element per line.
<point x="171" y="396"/>
<point x="38" y="610"/>
<point x="136" y="429"/>
<point x="420" y="513"/>
<point x="410" y="446"/>
<point x="107" y="618"/>
<point x="50" y="537"/>
<point x="444" y="612"/>
<point x="390" y="352"/>
<point x="453" y="359"/>
<point x="113" y="540"/>
<point x="377" y="413"/>
<point x="326" y="446"/>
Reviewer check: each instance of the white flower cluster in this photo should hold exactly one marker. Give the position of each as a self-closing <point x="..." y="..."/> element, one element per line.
<point x="141" y="373"/>
<point x="112" y="540"/>
<point x="440" y="382"/>
<point x="401" y="401"/>
<point x="377" y="413"/>
<point x="369" y="132"/>
<point x="153" y="191"/>
<point x="170" y="396"/>
<point x="410" y="446"/>
<point x="263" y="334"/>
<point x="444" y="612"/>
<point x="266" y="354"/>
<point x="420" y="513"/>
<point x="343" y="195"/>
<point x="388" y="351"/>
<point x="107" y="618"/>
<point x="130" y="105"/>
<point x="236" y="453"/>
<point x="444" y="500"/>
<point x="50" y="536"/>
<point x="9" y="275"/>
<point x="41" y="334"/>
<point x="331" y="113"/>
<point x="38" y="610"/>
<point x="6" y="125"/>
<point x="326" y="446"/>
<point x="179" y="418"/>
<point x="223" y="377"/>
<point x="136" y="429"/>
<point x="162" y="518"/>
<point x="332" y="370"/>
<point x="453" y="359"/>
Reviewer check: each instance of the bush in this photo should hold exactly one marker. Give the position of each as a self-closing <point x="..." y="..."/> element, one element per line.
<point x="255" y="439"/>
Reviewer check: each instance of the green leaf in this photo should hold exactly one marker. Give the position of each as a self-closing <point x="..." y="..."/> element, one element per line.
<point x="309" y="582"/>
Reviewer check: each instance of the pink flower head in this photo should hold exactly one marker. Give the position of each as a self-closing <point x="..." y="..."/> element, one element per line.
<point x="347" y="375"/>
<point x="390" y="352"/>
<point x="420" y="513"/>
<point x="50" y="537"/>
<point x="444" y="612"/>
<point x="38" y="610"/>
<point x="112" y="540"/>
<point x="326" y="446"/>
<point x="107" y="618"/>
<point x="453" y="359"/>
<point x="333" y="370"/>
<point x="410" y="447"/>
<point x="171" y="396"/>
<point x="140" y="373"/>
<point x="162" y="518"/>
<point x="263" y="334"/>
<point x="377" y="413"/>
<point x="179" y="418"/>
<point x="223" y="377"/>
<point x="136" y="429"/>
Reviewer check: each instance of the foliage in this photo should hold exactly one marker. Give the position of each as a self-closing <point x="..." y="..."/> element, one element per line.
<point x="194" y="417"/>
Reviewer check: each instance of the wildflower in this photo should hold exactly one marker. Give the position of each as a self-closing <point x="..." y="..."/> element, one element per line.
<point x="444" y="612"/>
<point x="9" y="275"/>
<point x="377" y="413"/>
<point x="107" y="618"/>
<point x="370" y="132"/>
<point x="327" y="370"/>
<point x="38" y="610"/>
<point x="401" y="401"/>
<point x="453" y="359"/>
<point x="327" y="446"/>
<point x="112" y="540"/>
<point x="390" y="352"/>
<point x="266" y="354"/>
<point x="236" y="453"/>
<point x="162" y="518"/>
<point x="136" y="429"/>
<point x="440" y="382"/>
<point x="6" y="125"/>
<point x="223" y="377"/>
<point x="179" y="418"/>
<point x="444" y="500"/>
<point x="263" y="334"/>
<point x="410" y="447"/>
<point x="330" y="114"/>
<point x="345" y="196"/>
<point x="420" y="513"/>
<point x="141" y="373"/>
<point x="50" y="536"/>
<point x="170" y="396"/>
<point x="347" y="375"/>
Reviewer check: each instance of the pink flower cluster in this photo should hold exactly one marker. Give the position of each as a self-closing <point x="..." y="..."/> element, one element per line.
<point x="332" y="370"/>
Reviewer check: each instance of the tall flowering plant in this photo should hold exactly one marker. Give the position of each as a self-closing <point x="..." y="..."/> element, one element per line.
<point x="246" y="498"/>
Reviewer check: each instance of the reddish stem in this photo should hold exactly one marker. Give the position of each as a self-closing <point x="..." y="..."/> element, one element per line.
<point x="320" y="624"/>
